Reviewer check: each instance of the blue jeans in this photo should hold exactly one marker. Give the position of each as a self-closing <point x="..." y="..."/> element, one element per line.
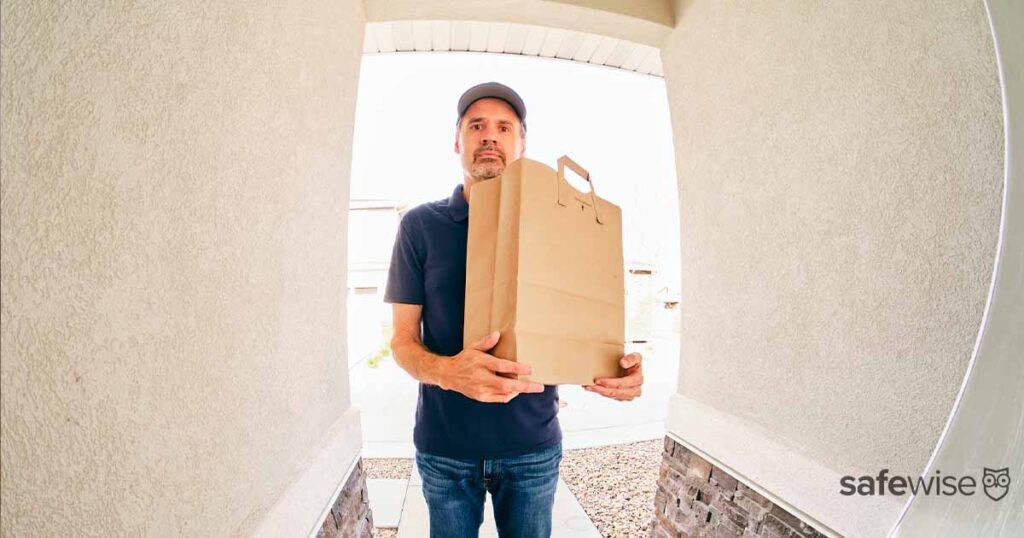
<point x="522" y="490"/>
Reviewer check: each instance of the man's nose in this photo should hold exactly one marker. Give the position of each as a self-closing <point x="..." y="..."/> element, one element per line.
<point x="489" y="134"/>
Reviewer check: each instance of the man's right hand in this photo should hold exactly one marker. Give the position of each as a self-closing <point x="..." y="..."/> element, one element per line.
<point x="474" y="374"/>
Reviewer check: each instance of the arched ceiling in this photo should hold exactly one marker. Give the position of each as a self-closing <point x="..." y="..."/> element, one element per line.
<point x="511" y="38"/>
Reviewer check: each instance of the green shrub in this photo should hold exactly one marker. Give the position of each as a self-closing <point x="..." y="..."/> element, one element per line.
<point x="380" y="355"/>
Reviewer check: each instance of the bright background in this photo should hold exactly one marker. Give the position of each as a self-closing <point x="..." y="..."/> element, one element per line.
<point x="614" y="123"/>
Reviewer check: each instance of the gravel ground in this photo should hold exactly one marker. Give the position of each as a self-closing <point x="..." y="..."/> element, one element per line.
<point x="614" y="484"/>
<point x="395" y="468"/>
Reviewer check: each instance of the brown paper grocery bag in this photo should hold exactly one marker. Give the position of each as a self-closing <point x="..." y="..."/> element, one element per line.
<point x="544" y="267"/>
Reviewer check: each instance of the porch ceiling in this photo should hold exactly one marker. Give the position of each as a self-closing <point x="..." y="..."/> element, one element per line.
<point x="511" y="38"/>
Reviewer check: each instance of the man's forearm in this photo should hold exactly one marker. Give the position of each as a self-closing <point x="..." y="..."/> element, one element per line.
<point x="421" y="364"/>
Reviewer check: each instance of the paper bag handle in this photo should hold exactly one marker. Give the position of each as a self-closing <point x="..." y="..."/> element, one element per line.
<point x="564" y="161"/>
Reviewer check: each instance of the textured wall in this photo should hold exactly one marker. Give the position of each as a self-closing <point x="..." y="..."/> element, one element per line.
<point x="174" y="187"/>
<point x="840" y="175"/>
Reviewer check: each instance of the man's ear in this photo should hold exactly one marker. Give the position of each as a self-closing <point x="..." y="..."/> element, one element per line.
<point x="457" y="149"/>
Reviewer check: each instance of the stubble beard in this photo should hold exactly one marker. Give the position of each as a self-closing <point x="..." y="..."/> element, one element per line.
<point x="487" y="171"/>
<point x="488" y="167"/>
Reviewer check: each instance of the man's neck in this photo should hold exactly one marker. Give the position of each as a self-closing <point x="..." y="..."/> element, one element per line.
<point x="467" y="186"/>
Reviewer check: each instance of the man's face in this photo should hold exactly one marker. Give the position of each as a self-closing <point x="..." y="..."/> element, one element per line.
<point x="490" y="137"/>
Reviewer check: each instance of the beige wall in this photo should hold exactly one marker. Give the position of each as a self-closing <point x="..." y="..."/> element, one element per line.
<point x="840" y="176"/>
<point x="174" y="185"/>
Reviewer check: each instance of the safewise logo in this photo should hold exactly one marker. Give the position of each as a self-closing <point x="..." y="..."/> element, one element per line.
<point x="995" y="483"/>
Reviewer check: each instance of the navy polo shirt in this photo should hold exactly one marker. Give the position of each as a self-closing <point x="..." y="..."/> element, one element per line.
<point x="428" y="267"/>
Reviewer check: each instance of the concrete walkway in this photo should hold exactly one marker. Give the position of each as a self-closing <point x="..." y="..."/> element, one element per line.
<point x="400" y="504"/>
<point x="386" y="398"/>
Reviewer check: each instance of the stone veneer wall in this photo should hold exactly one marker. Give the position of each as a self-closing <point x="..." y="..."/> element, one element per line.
<point x="697" y="499"/>
<point x="350" y="517"/>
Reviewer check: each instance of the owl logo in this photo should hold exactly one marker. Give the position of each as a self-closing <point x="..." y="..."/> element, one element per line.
<point x="996" y="482"/>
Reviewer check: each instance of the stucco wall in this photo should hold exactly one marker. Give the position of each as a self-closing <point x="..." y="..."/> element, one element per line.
<point x="840" y="175"/>
<point x="174" y="187"/>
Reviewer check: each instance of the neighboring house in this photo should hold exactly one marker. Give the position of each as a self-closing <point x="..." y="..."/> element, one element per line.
<point x="650" y="314"/>
<point x="372" y="226"/>
<point x="639" y="301"/>
<point x="666" y="312"/>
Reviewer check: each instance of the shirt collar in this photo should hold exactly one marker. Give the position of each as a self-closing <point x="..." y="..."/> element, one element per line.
<point x="458" y="209"/>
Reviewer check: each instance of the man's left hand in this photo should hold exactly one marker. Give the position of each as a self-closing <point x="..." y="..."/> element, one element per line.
<point x="623" y="388"/>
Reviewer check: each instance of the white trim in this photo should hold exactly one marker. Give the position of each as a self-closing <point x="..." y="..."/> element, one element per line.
<point x="302" y="508"/>
<point x="790" y="479"/>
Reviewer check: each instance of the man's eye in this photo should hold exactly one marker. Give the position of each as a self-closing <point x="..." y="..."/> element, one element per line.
<point x="475" y="126"/>
<point x="505" y="129"/>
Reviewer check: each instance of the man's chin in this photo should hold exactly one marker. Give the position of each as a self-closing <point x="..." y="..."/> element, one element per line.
<point x="487" y="173"/>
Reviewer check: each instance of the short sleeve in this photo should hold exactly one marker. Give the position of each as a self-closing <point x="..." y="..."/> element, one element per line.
<point x="405" y="275"/>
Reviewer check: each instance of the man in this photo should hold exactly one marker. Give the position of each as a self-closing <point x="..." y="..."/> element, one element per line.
<point x="477" y="429"/>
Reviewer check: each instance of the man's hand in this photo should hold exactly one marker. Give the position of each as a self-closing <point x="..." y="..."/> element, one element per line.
<point x="623" y="388"/>
<point x="475" y="374"/>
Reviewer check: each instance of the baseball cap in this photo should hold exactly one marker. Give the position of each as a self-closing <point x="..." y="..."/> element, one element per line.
<point x="496" y="90"/>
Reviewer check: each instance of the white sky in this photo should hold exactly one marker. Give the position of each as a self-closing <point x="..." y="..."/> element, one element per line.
<point x="613" y="123"/>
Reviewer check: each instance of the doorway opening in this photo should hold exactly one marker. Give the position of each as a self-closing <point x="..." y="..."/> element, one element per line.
<point x="613" y="122"/>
